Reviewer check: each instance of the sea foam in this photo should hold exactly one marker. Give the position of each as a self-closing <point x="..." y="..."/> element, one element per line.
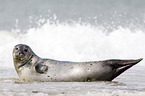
<point x="75" y="42"/>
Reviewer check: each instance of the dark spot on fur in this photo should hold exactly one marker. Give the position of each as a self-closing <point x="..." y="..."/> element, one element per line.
<point x="71" y="67"/>
<point x="91" y="64"/>
<point x="88" y="69"/>
<point x="48" y="76"/>
<point x="89" y="79"/>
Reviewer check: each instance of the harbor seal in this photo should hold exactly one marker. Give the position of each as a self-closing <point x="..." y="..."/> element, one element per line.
<point x="30" y="67"/>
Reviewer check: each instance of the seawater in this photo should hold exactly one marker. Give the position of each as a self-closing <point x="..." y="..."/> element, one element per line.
<point x="73" y="32"/>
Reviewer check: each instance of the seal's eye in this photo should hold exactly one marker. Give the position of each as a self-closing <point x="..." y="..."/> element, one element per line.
<point x="26" y="50"/>
<point x="16" y="48"/>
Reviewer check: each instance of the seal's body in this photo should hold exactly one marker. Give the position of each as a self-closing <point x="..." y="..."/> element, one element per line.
<point x="30" y="67"/>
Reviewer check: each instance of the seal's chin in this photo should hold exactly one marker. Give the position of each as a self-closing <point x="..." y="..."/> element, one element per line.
<point x="22" y="61"/>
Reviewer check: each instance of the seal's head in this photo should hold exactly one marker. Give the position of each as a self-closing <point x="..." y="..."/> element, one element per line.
<point x="21" y="55"/>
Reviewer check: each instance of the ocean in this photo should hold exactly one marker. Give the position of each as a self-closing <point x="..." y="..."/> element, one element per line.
<point x="74" y="30"/>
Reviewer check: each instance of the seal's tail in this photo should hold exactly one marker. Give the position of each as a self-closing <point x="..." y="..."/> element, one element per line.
<point x="119" y="66"/>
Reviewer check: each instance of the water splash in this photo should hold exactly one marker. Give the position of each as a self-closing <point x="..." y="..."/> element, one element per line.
<point x="74" y="42"/>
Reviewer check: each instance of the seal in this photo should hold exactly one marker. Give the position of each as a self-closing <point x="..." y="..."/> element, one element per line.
<point x="30" y="67"/>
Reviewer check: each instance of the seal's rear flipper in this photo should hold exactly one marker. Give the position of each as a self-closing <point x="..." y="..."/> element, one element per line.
<point x="119" y="66"/>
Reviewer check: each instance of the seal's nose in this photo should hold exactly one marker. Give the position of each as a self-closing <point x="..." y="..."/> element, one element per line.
<point x="18" y="54"/>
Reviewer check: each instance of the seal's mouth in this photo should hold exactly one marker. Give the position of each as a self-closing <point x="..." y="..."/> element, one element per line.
<point x="24" y="63"/>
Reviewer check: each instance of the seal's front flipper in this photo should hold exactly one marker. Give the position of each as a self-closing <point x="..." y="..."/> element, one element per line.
<point x="119" y="66"/>
<point x="40" y="68"/>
